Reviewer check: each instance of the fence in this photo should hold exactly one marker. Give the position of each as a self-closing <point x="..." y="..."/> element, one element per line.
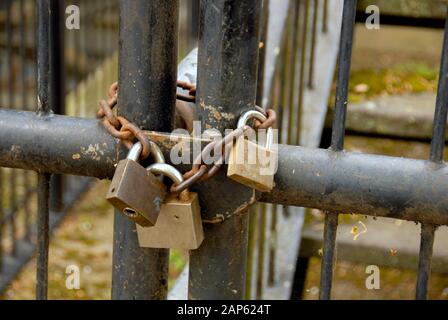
<point x="233" y="37"/>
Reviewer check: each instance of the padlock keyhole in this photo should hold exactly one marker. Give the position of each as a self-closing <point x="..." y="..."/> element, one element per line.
<point x="129" y="212"/>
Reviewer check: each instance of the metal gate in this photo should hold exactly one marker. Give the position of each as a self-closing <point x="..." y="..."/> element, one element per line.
<point x="243" y="58"/>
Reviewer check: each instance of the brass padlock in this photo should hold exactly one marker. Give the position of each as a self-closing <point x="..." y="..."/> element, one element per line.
<point x="179" y="225"/>
<point x="134" y="191"/>
<point x="251" y="164"/>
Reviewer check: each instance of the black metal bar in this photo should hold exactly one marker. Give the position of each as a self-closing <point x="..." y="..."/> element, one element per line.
<point x="147" y="82"/>
<point x="273" y="248"/>
<point x="306" y="177"/>
<point x="436" y="156"/>
<point x="298" y="287"/>
<point x="325" y="16"/>
<point x="262" y="53"/>
<point x="408" y="21"/>
<point x="259" y="285"/>
<point x="43" y="110"/>
<point x="43" y="236"/>
<point x="292" y="66"/>
<point x="425" y="258"/>
<point x="11" y="104"/>
<point x="345" y="57"/>
<point x="24" y="100"/>
<point x="313" y="44"/>
<point x="337" y="139"/>
<point x="2" y="214"/>
<point x="56" y="144"/>
<point x="57" y="89"/>
<point x="328" y="257"/>
<point x="438" y="136"/>
<point x="227" y="83"/>
<point x="303" y="49"/>
<point x="194" y="23"/>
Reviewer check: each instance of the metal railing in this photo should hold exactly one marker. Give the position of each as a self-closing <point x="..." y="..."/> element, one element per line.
<point x="228" y="71"/>
<point x="18" y="87"/>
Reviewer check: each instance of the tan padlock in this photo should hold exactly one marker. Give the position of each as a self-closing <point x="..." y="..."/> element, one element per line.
<point x="251" y="164"/>
<point x="134" y="191"/>
<point x="179" y="225"/>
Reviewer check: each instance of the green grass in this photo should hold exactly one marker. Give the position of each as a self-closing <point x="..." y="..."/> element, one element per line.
<point x="408" y="77"/>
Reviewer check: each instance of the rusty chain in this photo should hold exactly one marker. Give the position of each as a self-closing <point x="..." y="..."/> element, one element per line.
<point x="201" y="171"/>
<point x="126" y="131"/>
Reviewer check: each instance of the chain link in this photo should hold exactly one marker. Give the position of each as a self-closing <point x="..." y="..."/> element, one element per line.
<point x="120" y="128"/>
<point x="126" y="131"/>
<point x="201" y="171"/>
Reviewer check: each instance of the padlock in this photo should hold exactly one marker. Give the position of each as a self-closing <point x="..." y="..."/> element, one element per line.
<point x="179" y="225"/>
<point x="245" y="160"/>
<point x="134" y="191"/>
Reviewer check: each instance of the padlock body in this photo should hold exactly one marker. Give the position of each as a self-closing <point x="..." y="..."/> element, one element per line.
<point x="179" y="226"/>
<point x="137" y="193"/>
<point x="250" y="164"/>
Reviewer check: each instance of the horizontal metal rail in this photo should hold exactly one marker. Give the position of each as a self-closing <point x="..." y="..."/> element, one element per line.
<point x="339" y="181"/>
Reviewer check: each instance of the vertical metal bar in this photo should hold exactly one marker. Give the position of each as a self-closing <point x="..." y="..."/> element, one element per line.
<point x="57" y="90"/>
<point x="261" y="210"/>
<point x="2" y="213"/>
<point x="11" y="104"/>
<point x="292" y="65"/>
<point x="24" y="101"/>
<point x="250" y="271"/>
<point x="147" y="82"/>
<point x="194" y="23"/>
<point x="43" y="237"/>
<point x="273" y="247"/>
<point x="227" y="77"/>
<point x="438" y="135"/>
<point x="2" y="216"/>
<point x="262" y="53"/>
<point x="299" y="282"/>
<point x="285" y="110"/>
<point x="425" y="258"/>
<point x="345" y="58"/>
<point x="43" y="109"/>
<point x="337" y="141"/>
<point x="313" y="44"/>
<point x="325" y="17"/>
<point x="302" y="86"/>
<point x="255" y="214"/>
<point x="329" y="247"/>
<point x="436" y="156"/>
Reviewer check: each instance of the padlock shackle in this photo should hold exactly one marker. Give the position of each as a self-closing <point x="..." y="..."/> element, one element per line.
<point x="136" y="150"/>
<point x="254" y="114"/>
<point x="166" y="170"/>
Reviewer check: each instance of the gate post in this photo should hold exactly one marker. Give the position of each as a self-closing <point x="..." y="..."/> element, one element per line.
<point x="147" y="96"/>
<point x="227" y="81"/>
